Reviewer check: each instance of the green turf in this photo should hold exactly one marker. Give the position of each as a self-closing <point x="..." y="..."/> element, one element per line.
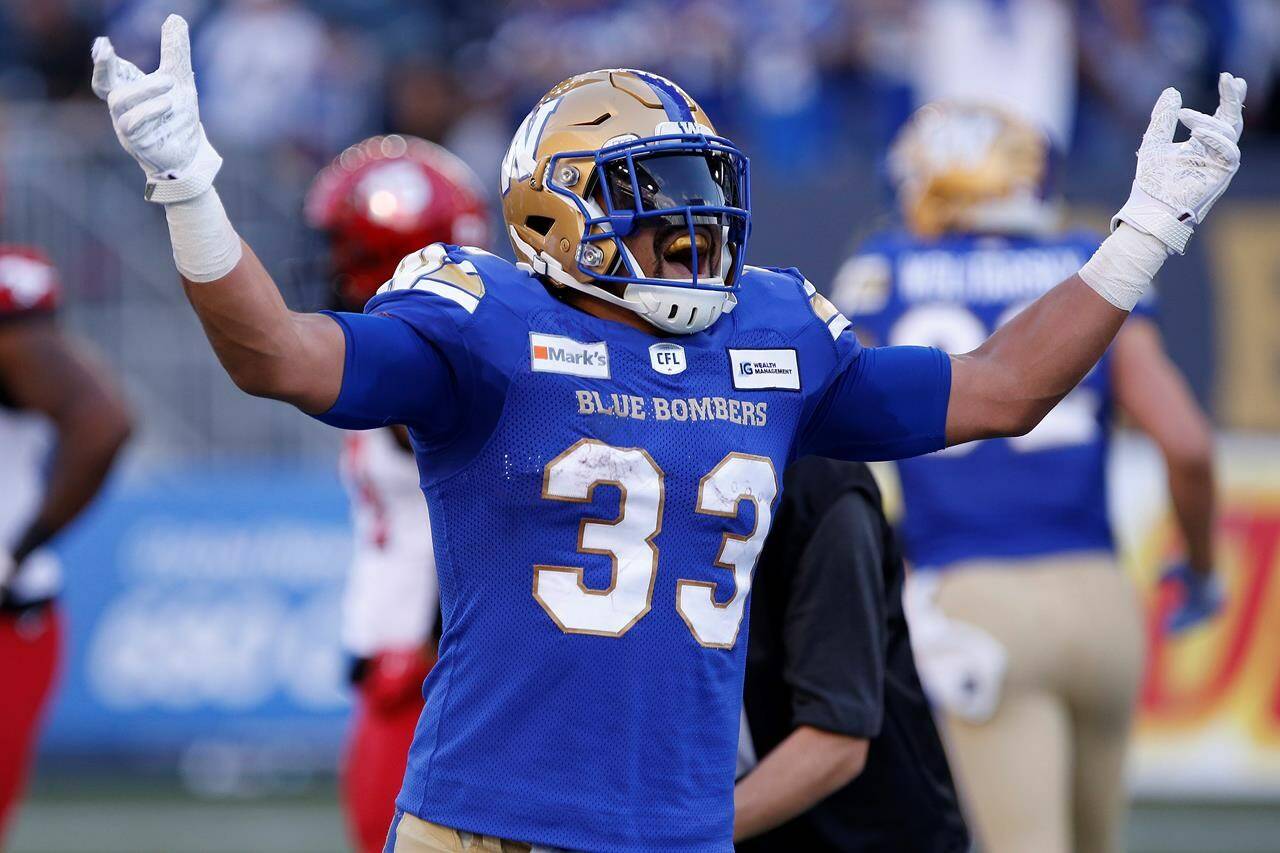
<point x="133" y="817"/>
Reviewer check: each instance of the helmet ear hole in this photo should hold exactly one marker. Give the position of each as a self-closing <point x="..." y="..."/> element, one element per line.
<point x="540" y="224"/>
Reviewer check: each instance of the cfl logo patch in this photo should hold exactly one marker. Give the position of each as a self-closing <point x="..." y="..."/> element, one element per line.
<point x="667" y="358"/>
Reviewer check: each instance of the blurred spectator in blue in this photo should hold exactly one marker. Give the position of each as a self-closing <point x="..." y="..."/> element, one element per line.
<point x="43" y="50"/>
<point x="1132" y="49"/>
<point x="132" y="25"/>
<point x="781" y="81"/>
<point x="1015" y="54"/>
<point x="1257" y="55"/>
<point x="273" y="73"/>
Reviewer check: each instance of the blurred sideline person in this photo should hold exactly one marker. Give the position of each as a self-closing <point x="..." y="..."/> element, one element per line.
<point x="377" y="202"/>
<point x="602" y="426"/>
<point x="1027" y="635"/>
<point x="62" y="423"/>
<point x="839" y="747"/>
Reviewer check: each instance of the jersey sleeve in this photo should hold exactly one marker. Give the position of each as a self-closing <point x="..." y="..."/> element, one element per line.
<point x="409" y="357"/>
<point x="29" y="283"/>
<point x="880" y="403"/>
<point x="391" y="374"/>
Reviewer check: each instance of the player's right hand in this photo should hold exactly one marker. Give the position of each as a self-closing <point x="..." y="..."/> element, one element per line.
<point x="156" y="116"/>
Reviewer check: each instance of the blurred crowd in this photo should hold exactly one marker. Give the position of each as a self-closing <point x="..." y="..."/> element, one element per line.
<point x="310" y="76"/>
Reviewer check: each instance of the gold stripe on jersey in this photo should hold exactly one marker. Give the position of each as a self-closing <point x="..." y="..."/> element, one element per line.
<point x="828" y="314"/>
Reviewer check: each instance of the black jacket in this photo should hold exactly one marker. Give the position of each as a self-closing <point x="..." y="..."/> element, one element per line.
<point x="829" y="648"/>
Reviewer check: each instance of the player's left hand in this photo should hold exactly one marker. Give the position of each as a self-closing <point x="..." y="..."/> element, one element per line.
<point x="1200" y="597"/>
<point x="1177" y="182"/>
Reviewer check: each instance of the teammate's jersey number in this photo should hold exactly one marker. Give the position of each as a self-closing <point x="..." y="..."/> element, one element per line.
<point x="953" y="328"/>
<point x="628" y="541"/>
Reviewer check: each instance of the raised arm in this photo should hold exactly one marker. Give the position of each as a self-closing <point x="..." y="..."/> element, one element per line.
<point x="268" y="350"/>
<point x="1021" y="372"/>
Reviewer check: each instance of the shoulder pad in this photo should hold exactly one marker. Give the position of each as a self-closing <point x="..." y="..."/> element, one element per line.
<point x="828" y="314"/>
<point x="819" y="306"/>
<point x="28" y="282"/>
<point x="440" y="270"/>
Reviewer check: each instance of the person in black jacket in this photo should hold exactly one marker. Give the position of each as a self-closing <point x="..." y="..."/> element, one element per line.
<point x="839" y="749"/>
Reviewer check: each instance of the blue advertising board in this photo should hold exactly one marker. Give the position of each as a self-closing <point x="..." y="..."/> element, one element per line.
<point x="202" y="611"/>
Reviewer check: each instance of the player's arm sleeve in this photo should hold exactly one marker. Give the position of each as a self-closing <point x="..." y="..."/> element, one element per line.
<point x="393" y="374"/>
<point x="835" y="625"/>
<point x="881" y="403"/>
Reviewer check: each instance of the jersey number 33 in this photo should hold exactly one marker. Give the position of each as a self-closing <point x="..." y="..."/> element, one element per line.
<point x="628" y="541"/>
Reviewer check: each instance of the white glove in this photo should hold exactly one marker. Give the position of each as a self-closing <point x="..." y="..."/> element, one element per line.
<point x="1177" y="182"/>
<point x="156" y="116"/>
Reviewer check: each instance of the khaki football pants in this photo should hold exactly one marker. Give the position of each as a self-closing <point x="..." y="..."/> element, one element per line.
<point x="1046" y="773"/>
<point x="414" y="835"/>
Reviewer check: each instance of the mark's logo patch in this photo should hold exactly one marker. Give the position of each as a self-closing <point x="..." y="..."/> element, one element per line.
<point x="557" y="354"/>
<point x="765" y="368"/>
<point x="667" y="358"/>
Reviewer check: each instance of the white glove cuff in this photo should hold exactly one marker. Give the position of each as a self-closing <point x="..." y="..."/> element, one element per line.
<point x="190" y="182"/>
<point x="1154" y="217"/>
<point x="1124" y="265"/>
<point x="205" y="246"/>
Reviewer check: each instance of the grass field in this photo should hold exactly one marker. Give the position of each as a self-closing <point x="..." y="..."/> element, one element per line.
<point x="64" y="817"/>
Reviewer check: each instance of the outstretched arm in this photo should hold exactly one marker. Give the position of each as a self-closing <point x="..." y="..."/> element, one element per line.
<point x="1021" y="372"/>
<point x="1007" y="385"/>
<point x="268" y="350"/>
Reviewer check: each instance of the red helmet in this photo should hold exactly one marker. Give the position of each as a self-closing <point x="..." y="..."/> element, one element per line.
<point x="386" y="197"/>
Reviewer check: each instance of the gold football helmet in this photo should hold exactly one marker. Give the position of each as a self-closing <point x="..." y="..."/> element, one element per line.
<point x="972" y="167"/>
<point x="607" y="152"/>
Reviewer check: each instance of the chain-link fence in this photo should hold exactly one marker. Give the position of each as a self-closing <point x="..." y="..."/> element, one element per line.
<point x="70" y="191"/>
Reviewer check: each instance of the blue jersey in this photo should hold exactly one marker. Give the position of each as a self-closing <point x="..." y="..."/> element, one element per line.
<point x="598" y="498"/>
<point x="1041" y="493"/>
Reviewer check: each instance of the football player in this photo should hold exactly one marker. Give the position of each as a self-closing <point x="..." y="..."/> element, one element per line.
<point x="601" y="427"/>
<point x="378" y="201"/>
<point x="1027" y="636"/>
<point x="62" y="422"/>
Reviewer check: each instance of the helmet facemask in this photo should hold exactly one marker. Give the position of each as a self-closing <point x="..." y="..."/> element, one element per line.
<point x="692" y="191"/>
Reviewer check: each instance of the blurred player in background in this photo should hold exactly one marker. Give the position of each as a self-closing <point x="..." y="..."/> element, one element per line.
<point x="62" y="423"/>
<point x="377" y="202"/>
<point x="1027" y="635"/>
